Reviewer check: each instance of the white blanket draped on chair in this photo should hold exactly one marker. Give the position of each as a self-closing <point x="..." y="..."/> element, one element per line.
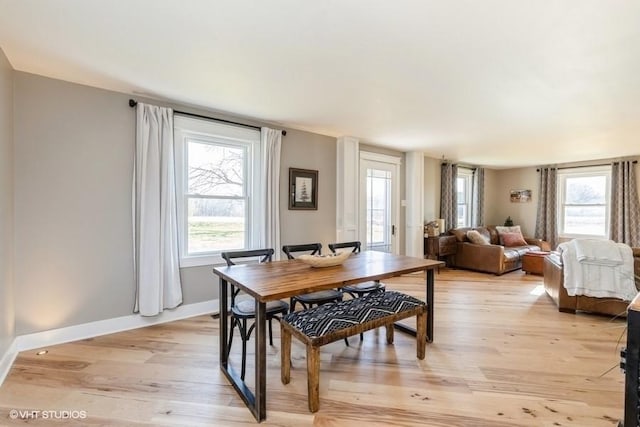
<point x="598" y="268"/>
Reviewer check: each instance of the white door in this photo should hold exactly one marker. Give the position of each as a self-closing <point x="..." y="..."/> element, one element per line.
<point x="379" y="190"/>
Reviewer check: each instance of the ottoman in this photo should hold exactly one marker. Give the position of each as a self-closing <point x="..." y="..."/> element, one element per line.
<point x="533" y="261"/>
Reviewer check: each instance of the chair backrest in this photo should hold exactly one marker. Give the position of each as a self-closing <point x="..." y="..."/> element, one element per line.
<point x="355" y="246"/>
<point x="265" y="254"/>
<point x="314" y="248"/>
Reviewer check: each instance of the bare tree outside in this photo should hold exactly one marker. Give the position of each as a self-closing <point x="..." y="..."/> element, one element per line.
<point x="217" y="205"/>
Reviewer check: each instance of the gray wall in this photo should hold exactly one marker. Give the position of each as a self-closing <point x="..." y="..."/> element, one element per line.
<point x="73" y="162"/>
<point x="431" y="189"/>
<point x="73" y="168"/>
<point x="7" y="314"/>
<point x="304" y="150"/>
<point x="523" y="214"/>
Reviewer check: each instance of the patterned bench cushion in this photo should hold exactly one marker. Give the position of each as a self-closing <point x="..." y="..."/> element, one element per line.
<point x="325" y="319"/>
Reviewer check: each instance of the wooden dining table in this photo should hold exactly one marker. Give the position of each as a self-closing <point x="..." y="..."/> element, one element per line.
<point x="283" y="279"/>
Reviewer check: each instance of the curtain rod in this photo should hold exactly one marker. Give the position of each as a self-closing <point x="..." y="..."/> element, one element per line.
<point x="589" y="166"/>
<point x="133" y="103"/>
<point x="461" y="166"/>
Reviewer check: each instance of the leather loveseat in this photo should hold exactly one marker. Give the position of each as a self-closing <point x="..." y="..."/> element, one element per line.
<point x="493" y="257"/>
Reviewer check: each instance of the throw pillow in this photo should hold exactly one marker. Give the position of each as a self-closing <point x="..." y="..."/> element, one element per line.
<point x="475" y="237"/>
<point x="484" y="232"/>
<point x="513" y="239"/>
<point x="460" y="233"/>
<point x="501" y="230"/>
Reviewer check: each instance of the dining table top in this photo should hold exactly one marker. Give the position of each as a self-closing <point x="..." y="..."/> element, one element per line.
<point x="276" y="280"/>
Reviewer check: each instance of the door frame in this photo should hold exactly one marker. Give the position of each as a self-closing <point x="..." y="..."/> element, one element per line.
<point x="395" y="162"/>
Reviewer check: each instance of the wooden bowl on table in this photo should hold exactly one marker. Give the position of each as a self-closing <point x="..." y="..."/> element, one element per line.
<point x="325" y="260"/>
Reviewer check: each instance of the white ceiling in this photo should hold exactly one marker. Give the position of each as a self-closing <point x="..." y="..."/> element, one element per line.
<point x="499" y="83"/>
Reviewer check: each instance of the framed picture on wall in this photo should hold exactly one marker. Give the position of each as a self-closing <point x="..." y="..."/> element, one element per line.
<point x="303" y="189"/>
<point x="520" y="196"/>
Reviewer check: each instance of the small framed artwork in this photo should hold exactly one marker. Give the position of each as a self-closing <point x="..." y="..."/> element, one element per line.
<point x="303" y="189"/>
<point x="520" y="196"/>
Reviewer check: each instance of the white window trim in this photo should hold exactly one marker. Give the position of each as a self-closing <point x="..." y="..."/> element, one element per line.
<point x="395" y="202"/>
<point x="383" y="158"/>
<point x="467" y="174"/>
<point x="205" y="130"/>
<point x="583" y="172"/>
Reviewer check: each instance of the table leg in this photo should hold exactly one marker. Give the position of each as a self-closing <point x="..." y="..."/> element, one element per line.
<point x="261" y="361"/>
<point x="224" y="324"/>
<point x="430" y="305"/>
<point x="255" y="402"/>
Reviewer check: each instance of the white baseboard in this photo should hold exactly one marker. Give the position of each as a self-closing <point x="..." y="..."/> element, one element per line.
<point x="7" y="359"/>
<point x="110" y="326"/>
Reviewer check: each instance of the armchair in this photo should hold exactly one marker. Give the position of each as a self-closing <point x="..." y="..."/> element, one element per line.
<point x="554" y="287"/>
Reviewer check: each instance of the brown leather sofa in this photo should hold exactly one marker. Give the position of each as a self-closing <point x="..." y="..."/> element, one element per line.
<point x="554" y="286"/>
<point x="493" y="258"/>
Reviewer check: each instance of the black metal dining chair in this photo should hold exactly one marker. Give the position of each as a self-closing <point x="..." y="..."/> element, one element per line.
<point x="244" y="309"/>
<point x="314" y="298"/>
<point x="360" y="289"/>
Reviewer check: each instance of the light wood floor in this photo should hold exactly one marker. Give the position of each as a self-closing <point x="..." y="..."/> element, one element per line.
<point x="502" y="356"/>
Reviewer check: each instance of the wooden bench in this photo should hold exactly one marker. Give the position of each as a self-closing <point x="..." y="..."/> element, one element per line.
<point x="332" y="322"/>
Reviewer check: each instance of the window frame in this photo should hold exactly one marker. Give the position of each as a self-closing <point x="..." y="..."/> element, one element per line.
<point x="199" y="130"/>
<point x="467" y="175"/>
<point x="591" y="171"/>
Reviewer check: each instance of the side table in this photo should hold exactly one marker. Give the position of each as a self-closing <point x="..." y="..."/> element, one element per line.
<point x="440" y="247"/>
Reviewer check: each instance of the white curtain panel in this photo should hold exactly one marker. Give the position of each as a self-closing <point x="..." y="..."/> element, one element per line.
<point x="155" y="221"/>
<point x="271" y="144"/>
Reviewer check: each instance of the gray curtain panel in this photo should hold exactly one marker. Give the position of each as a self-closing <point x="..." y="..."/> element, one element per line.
<point x="546" y="219"/>
<point x="477" y="218"/>
<point x="625" y="209"/>
<point x="449" y="195"/>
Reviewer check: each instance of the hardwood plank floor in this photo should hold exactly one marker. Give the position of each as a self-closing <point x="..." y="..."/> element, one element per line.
<point x="502" y="356"/>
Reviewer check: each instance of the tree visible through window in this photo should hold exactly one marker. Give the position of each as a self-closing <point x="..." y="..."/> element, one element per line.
<point x="215" y="166"/>
<point x="216" y="197"/>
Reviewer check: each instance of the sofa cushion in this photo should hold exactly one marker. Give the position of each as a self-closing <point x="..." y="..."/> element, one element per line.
<point x="521" y="250"/>
<point x="501" y="230"/>
<point x="494" y="238"/>
<point x="511" y="256"/>
<point x="476" y="237"/>
<point x="511" y="240"/>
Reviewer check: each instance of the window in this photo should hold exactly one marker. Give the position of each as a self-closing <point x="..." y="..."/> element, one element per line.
<point x="216" y="172"/>
<point x="584" y="202"/>
<point x="378" y="209"/>
<point x="463" y="187"/>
